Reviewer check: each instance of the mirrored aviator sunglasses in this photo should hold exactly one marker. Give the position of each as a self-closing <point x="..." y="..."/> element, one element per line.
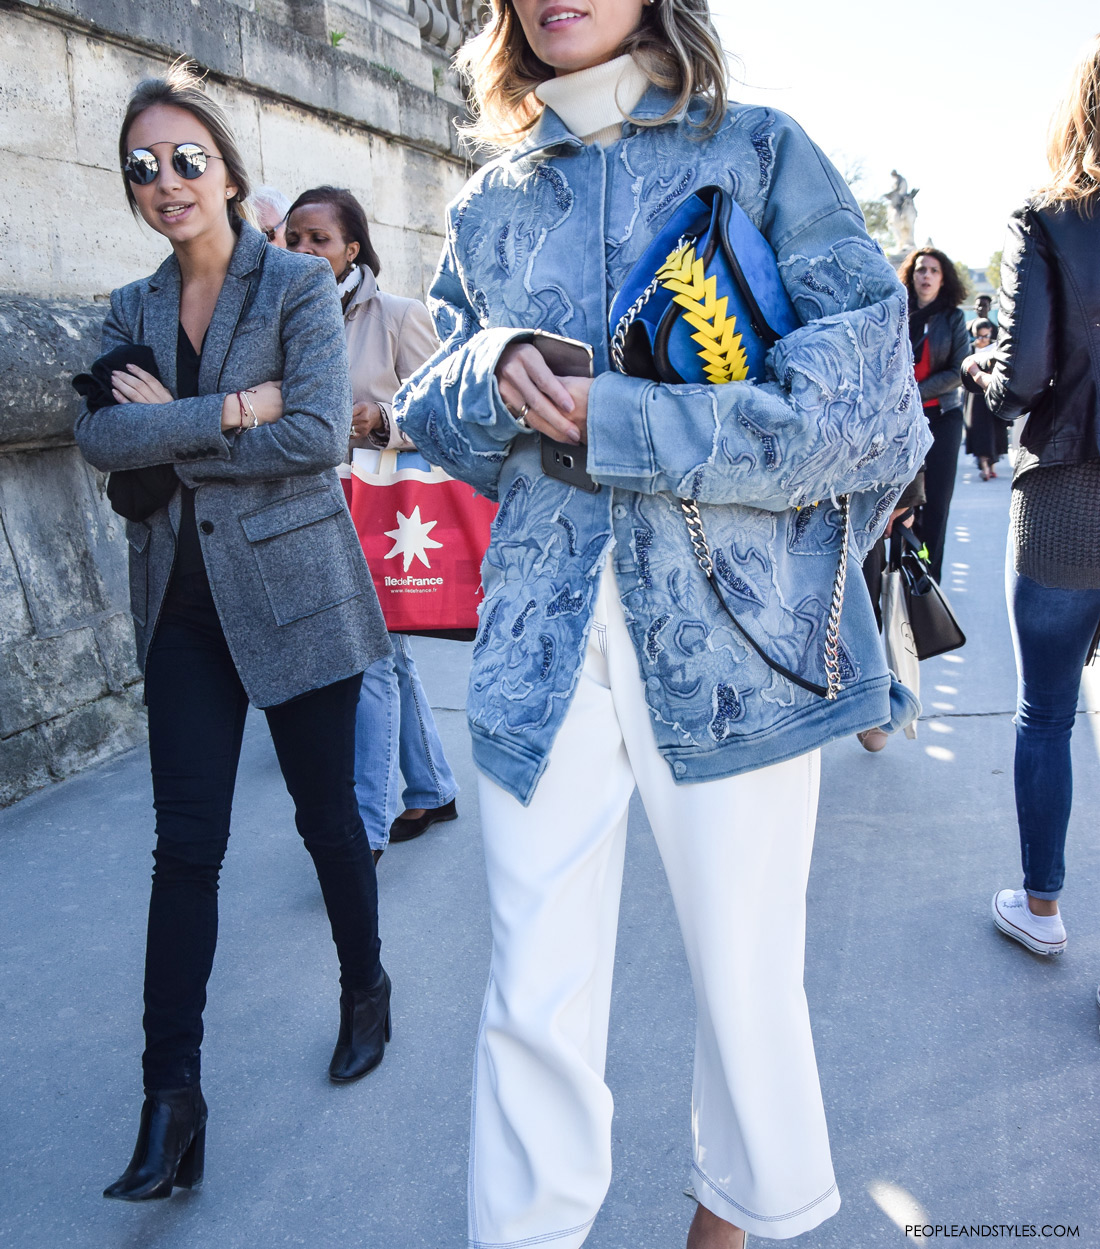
<point x="188" y="160"/>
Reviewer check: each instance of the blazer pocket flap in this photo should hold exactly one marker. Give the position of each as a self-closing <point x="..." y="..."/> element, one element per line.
<point x="290" y="514"/>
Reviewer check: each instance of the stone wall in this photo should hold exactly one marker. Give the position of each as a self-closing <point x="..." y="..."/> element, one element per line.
<point x="375" y="113"/>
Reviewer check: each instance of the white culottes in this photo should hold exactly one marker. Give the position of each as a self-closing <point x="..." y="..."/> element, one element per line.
<point x="737" y="856"/>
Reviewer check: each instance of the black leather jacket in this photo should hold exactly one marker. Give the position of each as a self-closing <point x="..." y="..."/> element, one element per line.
<point x="1047" y="356"/>
<point x="948" y="344"/>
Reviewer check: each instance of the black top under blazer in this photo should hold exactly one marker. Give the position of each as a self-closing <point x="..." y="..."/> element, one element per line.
<point x="286" y="569"/>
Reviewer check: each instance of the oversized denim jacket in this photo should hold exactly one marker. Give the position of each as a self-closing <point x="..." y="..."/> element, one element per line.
<point x="542" y="238"/>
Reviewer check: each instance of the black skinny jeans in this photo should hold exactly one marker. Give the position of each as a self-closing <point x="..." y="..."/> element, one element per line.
<point x="197" y="709"/>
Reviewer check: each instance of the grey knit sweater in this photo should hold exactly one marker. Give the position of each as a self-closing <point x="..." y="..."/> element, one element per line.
<point x="1056" y="525"/>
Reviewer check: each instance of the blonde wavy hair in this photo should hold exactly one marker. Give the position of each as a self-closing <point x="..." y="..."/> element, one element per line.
<point x="675" y="45"/>
<point x="1073" y="145"/>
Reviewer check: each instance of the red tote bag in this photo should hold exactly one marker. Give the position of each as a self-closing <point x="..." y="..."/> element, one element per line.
<point x="424" y="535"/>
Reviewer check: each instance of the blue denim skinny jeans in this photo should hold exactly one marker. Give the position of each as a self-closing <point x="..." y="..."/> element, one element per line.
<point x="395" y="736"/>
<point x="1051" y="632"/>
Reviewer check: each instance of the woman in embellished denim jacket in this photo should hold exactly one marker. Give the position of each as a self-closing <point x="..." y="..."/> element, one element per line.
<point x="604" y="658"/>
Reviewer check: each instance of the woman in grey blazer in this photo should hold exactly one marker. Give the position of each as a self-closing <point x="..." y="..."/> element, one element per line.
<point x="247" y="583"/>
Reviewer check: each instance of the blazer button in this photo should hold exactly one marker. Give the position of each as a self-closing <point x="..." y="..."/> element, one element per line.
<point x="206" y="526"/>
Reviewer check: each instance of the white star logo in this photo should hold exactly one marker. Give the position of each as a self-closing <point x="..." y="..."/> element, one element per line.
<point x="410" y="538"/>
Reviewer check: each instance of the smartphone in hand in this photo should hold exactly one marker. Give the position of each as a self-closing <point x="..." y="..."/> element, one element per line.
<point x="566" y="461"/>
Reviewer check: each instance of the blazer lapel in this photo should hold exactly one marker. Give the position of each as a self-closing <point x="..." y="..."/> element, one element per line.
<point x="161" y="318"/>
<point x="243" y="268"/>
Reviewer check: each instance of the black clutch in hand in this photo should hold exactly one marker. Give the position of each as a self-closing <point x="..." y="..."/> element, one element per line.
<point x="134" y="493"/>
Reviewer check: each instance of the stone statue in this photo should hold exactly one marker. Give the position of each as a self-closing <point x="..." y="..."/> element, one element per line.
<point x="901" y="212"/>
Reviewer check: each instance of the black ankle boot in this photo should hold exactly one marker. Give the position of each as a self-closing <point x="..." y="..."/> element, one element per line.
<point x="364" y="1031"/>
<point x="170" y="1147"/>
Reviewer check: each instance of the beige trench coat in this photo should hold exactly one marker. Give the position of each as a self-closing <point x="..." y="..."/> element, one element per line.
<point x="389" y="337"/>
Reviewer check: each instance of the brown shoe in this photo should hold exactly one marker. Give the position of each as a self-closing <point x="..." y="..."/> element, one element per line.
<point x="405" y="830"/>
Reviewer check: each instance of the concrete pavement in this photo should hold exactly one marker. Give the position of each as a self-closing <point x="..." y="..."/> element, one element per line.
<point x="960" y="1073"/>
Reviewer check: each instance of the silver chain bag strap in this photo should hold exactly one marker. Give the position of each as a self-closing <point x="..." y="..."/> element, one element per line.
<point x="701" y="546"/>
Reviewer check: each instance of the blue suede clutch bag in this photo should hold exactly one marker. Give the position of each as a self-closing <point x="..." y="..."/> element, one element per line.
<point x="705" y="301"/>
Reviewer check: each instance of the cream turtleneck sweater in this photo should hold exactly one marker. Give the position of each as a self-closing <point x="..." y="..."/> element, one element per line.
<point x="594" y="102"/>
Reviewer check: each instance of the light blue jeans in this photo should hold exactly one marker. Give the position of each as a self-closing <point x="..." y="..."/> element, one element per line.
<point x="395" y="736"/>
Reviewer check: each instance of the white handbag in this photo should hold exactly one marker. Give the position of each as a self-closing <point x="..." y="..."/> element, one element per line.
<point x="901" y="651"/>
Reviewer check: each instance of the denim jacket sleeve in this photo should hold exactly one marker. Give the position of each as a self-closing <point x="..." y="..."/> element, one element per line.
<point x="451" y="407"/>
<point x="838" y="411"/>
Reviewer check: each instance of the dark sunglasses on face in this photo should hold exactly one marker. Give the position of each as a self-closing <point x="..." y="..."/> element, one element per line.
<point x="188" y="160"/>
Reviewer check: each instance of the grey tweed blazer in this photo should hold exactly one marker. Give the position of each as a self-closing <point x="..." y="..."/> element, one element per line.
<point x="286" y="569"/>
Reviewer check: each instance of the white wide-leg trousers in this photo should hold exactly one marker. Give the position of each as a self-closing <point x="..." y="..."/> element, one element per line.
<point x="737" y="856"/>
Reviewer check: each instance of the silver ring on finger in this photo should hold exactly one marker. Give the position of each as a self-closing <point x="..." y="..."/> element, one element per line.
<point x="521" y="417"/>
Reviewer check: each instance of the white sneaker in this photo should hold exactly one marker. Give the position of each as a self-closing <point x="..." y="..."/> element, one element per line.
<point x="1042" y="934"/>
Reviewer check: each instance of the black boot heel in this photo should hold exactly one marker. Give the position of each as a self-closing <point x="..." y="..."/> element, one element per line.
<point x="170" y="1148"/>
<point x="189" y="1172"/>
<point x="364" y="1030"/>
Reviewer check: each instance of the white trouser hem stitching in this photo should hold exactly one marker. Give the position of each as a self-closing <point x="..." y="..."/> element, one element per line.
<point x="532" y="1240"/>
<point x="761" y="1218"/>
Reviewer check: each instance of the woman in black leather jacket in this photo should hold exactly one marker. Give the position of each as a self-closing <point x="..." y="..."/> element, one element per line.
<point x="937" y="330"/>
<point x="1046" y="362"/>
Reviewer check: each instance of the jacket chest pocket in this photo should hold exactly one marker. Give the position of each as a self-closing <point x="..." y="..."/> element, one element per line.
<point x="255" y="355"/>
<point x="250" y="370"/>
<point x="306" y="553"/>
<point x="137" y="536"/>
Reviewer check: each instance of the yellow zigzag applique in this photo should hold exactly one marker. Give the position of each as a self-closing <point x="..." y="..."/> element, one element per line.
<point x="721" y="352"/>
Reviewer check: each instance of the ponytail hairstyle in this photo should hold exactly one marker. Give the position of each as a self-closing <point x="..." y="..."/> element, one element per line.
<point x="675" y="45"/>
<point x="183" y="87"/>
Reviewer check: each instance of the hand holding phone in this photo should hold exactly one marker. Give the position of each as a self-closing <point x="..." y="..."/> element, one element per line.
<point x="572" y="360"/>
<point x="531" y="390"/>
<point x="546" y="381"/>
